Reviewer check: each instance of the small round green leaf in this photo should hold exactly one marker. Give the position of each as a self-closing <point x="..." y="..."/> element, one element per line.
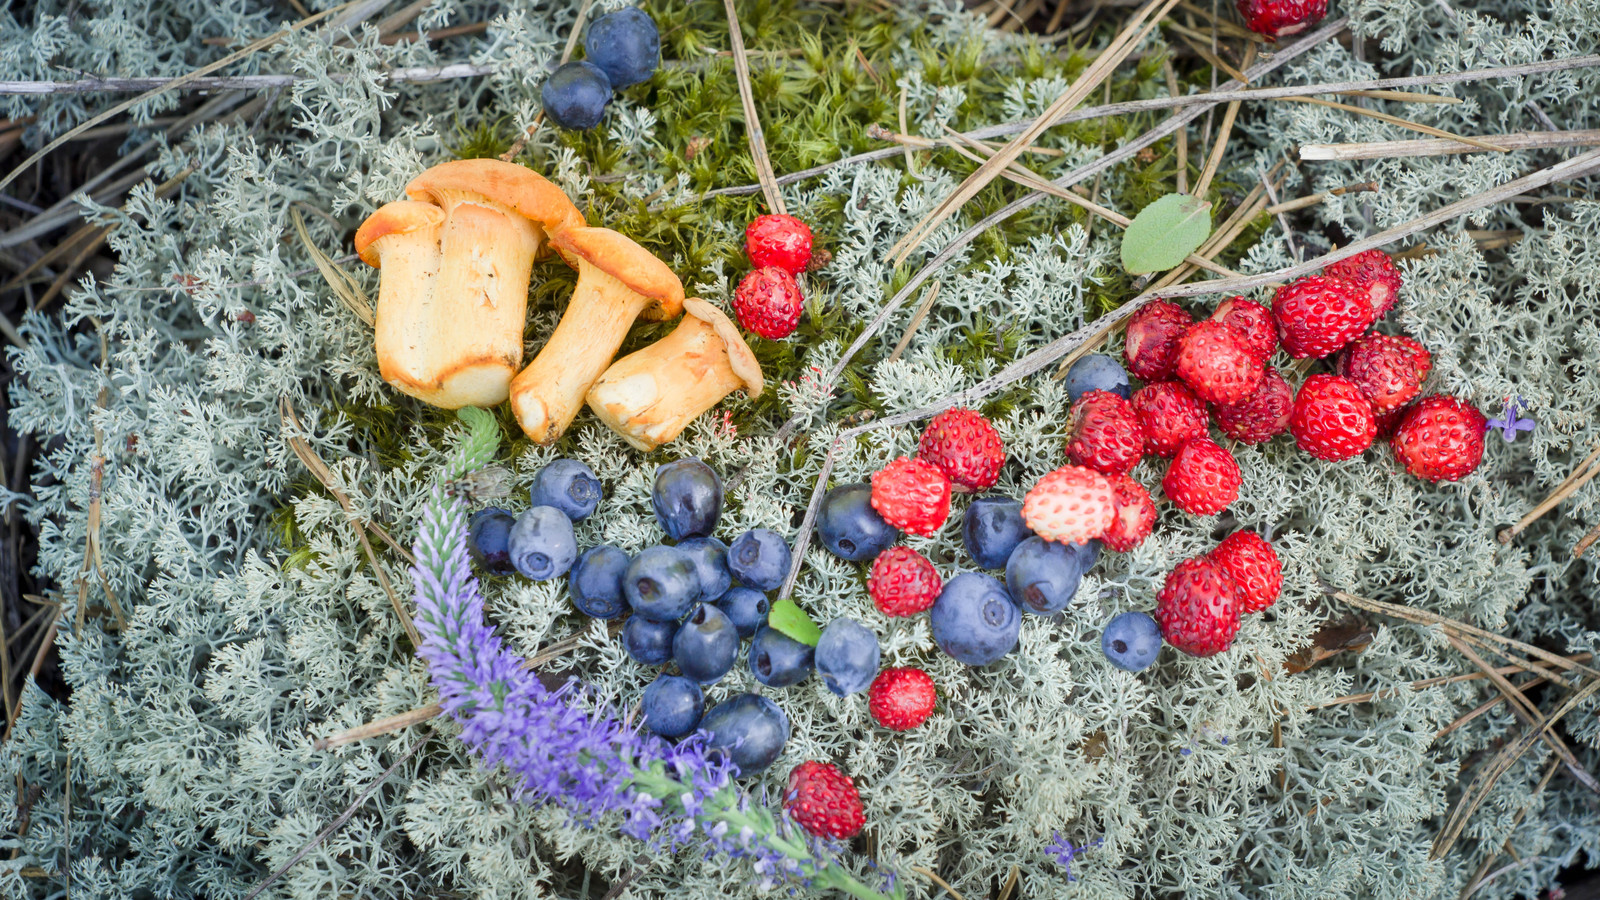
<point x="792" y="621"/>
<point x="1164" y="232"/>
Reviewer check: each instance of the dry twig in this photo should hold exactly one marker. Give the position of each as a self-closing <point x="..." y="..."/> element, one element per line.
<point x="1539" y="140"/>
<point x="1582" y="475"/>
<point x="752" y="121"/>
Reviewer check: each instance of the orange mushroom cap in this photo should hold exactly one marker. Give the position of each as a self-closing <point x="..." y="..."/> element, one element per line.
<point x="520" y="188"/>
<point x="618" y="256"/>
<point x="399" y="217"/>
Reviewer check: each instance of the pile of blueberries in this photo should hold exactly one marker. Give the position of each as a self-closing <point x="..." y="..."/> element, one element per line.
<point x="623" y="48"/>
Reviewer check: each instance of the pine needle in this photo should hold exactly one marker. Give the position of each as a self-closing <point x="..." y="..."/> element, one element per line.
<point x="344" y="285"/>
<point x="752" y="121"/>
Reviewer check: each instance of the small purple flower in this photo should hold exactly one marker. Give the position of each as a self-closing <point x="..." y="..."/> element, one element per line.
<point x="1065" y="851"/>
<point x="1510" y="422"/>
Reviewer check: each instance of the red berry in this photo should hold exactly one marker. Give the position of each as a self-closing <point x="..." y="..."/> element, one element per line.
<point x="1373" y="274"/>
<point x="911" y="495"/>
<point x="1135" y="515"/>
<point x="824" y="801"/>
<point x="1104" y="434"/>
<point x="1170" y="415"/>
<point x="1440" y="439"/>
<point x="778" y="240"/>
<point x="1216" y="362"/>
<point x="1317" y="316"/>
<point x="1198" y="608"/>
<point x="768" y="302"/>
<point x="1387" y="369"/>
<point x="1279" y="18"/>
<point x="1332" y="419"/>
<point x="1203" y="478"/>
<point x="1151" y="344"/>
<point x="1263" y="415"/>
<point x="1253" y="565"/>
<point x="1253" y="320"/>
<point x="966" y="448"/>
<point x="1071" y="505"/>
<point x="901" y="699"/>
<point x="902" y="582"/>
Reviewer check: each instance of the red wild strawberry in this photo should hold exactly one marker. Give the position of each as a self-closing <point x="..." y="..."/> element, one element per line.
<point x="1280" y="18"/>
<point x="902" y="582"/>
<point x="1198" y="608"/>
<point x="768" y="302"/>
<point x="1317" y="316"/>
<point x="1203" y="478"/>
<point x="1440" y="439"/>
<point x="901" y="699"/>
<point x="911" y="495"/>
<point x="1253" y="565"/>
<point x="1253" y="320"/>
<point x="1261" y="417"/>
<point x="1135" y="515"/>
<point x="1419" y="355"/>
<point x="778" y="240"/>
<point x="1151" y="343"/>
<point x="1104" y="434"/>
<point x="966" y="448"/>
<point x="824" y="801"/>
<point x="1170" y="416"/>
<point x="1216" y="362"/>
<point x="1332" y="419"/>
<point x="1373" y="274"/>
<point x="1386" y="369"/>
<point x="1073" y="505"/>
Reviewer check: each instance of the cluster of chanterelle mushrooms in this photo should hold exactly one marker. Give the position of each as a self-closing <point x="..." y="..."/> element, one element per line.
<point x="452" y="302"/>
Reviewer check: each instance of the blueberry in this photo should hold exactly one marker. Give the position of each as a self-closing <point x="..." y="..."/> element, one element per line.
<point x="847" y="656"/>
<point x="710" y="557"/>
<point x="760" y="558"/>
<point x="706" y="645"/>
<point x="648" y="642"/>
<point x="750" y="729"/>
<point x="777" y="660"/>
<point x="488" y="534"/>
<point x="1097" y="372"/>
<point x="1042" y="576"/>
<point x="542" y="545"/>
<point x="746" y="608"/>
<point x="569" y="486"/>
<point x="625" y="44"/>
<point x="848" y="525"/>
<point x="687" y="497"/>
<point x="672" y="706"/>
<point x="974" y="621"/>
<point x="576" y="95"/>
<point x="661" y="584"/>
<point x="596" y="584"/>
<point x="991" y="528"/>
<point x="1131" y="641"/>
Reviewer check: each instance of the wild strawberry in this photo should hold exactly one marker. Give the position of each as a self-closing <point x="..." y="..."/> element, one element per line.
<point x="1254" y="566"/>
<point x="1419" y="355"/>
<point x="1440" y="439"/>
<point x="1253" y="320"/>
<point x="1216" y="362"/>
<point x="1203" y="478"/>
<point x="1373" y="274"/>
<point x="1071" y="505"/>
<point x="966" y="448"/>
<point x="768" y="302"/>
<point x="824" y="801"/>
<point x="912" y="495"/>
<point x="778" y="240"/>
<point x="1198" y="608"/>
<point x="902" y="582"/>
<point x="901" y="699"/>
<point x="1151" y="343"/>
<point x="1135" y="515"/>
<point x="1279" y="18"/>
<point x="1170" y="416"/>
<point x="1104" y="434"/>
<point x="1386" y="369"/>
<point x="1263" y="415"/>
<point x="1332" y="419"/>
<point x="1317" y="316"/>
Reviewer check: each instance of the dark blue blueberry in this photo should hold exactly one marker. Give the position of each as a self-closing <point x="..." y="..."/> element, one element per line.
<point x="973" y="620"/>
<point x="1042" y="576"/>
<point x="1131" y="641"/>
<point x="625" y="44"/>
<point x="710" y="558"/>
<point x="673" y="705"/>
<point x="687" y="497"/>
<point x="747" y="609"/>
<point x="648" y="642"/>
<point x="576" y="95"/>
<point x="991" y="528"/>
<point x="542" y="545"/>
<point x="569" y="486"/>
<point x="661" y="584"/>
<point x="760" y="558"/>
<point x="777" y="660"/>
<point x="847" y="656"/>
<point x="750" y="729"/>
<point x="596" y="583"/>
<point x="848" y="525"/>
<point x="706" y="645"/>
<point x="488" y="536"/>
<point x="1097" y="372"/>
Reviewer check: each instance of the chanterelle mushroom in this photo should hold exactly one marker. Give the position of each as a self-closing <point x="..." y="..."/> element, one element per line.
<point x="618" y="281"/>
<point x="649" y="396"/>
<point x="453" y="294"/>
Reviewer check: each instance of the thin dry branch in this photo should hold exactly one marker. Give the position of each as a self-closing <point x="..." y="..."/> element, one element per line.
<point x="1396" y="120"/>
<point x="752" y="121"/>
<point x="1426" y="683"/>
<point x="1582" y="475"/>
<point x="1537" y="140"/>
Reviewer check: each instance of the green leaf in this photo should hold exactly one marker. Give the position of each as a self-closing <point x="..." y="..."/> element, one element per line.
<point x="792" y="621"/>
<point x="1164" y="232"/>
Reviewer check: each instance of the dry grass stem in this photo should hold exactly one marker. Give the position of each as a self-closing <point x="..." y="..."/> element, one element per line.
<point x="344" y="285"/>
<point x="933" y="877"/>
<point x="752" y="121"/>
<point x="1223" y="134"/>
<point x="1586" y="542"/>
<point x="916" y="320"/>
<point x="1182" y="135"/>
<point x="1539" y="140"/>
<point x="1192" y="39"/>
<point x="1403" y="123"/>
<point x="1582" y="475"/>
<point x="1483" y="876"/>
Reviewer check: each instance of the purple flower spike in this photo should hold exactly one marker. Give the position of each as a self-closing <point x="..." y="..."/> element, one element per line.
<point x="1065" y="851"/>
<point x="1510" y="422"/>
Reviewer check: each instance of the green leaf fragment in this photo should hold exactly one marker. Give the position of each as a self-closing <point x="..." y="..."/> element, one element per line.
<point x="1165" y="232"/>
<point x="791" y="621"/>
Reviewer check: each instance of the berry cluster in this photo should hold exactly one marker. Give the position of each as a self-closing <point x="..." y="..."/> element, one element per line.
<point x="623" y="48"/>
<point x="768" y="300"/>
<point x="1199" y="606"/>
